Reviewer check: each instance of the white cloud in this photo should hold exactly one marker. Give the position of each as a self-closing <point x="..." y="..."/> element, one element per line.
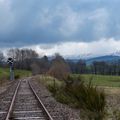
<point x="79" y="49"/>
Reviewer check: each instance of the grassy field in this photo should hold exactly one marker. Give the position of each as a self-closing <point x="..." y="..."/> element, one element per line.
<point x="94" y="99"/>
<point x="4" y="73"/>
<point x="98" y="80"/>
<point x="80" y="95"/>
<point x="101" y="80"/>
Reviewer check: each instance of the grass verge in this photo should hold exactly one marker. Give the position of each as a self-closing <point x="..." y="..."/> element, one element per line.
<point x="75" y="93"/>
<point x="4" y="74"/>
<point x="101" y="80"/>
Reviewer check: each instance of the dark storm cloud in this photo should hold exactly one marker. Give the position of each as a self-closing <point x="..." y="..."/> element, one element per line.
<point x="28" y="22"/>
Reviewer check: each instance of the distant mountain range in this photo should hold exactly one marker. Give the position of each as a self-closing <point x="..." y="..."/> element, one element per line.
<point x="106" y="58"/>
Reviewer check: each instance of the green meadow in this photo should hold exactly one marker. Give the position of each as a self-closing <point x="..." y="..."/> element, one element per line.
<point x="4" y="73"/>
<point x="100" y="80"/>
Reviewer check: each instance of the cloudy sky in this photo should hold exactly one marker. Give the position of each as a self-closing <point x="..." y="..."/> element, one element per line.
<point x="70" y="27"/>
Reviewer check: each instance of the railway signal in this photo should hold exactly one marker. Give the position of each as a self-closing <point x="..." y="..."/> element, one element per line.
<point x="10" y="61"/>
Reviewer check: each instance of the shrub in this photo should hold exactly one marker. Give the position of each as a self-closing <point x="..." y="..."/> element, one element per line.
<point x="52" y="89"/>
<point x="62" y="97"/>
<point x="69" y="81"/>
<point x="73" y="81"/>
<point x="17" y="76"/>
<point x="90" y="99"/>
<point x="116" y="114"/>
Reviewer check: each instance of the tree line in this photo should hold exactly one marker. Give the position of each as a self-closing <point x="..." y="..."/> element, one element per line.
<point x="28" y="59"/>
<point x="96" y="67"/>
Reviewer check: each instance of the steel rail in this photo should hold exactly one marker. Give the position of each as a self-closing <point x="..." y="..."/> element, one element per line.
<point x="44" y="108"/>
<point x="12" y="102"/>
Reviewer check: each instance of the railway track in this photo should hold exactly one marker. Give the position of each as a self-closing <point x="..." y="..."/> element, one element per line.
<point x="25" y="104"/>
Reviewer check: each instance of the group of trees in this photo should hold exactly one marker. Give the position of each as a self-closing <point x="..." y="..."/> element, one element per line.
<point x="40" y="65"/>
<point x="97" y="67"/>
<point x="29" y="60"/>
<point x="57" y="66"/>
<point x="23" y="57"/>
<point x="105" y="68"/>
<point x="79" y="67"/>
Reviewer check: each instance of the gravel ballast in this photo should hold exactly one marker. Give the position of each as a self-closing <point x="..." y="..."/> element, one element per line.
<point x="57" y="110"/>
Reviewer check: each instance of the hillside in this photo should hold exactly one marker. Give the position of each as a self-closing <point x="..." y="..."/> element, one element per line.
<point x="107" y="58"/>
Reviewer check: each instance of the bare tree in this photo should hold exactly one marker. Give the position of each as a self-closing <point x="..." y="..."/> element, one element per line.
<point x="22" y="57"/>
<point x="35" y="68"/>
<point x="11" y="53"/>
<point x="1" y="56"/>
<point x="81" y="67"/>
<point x="59" y="68"/>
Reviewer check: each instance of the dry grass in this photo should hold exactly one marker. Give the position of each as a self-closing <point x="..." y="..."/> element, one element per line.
<point x="112" y="90"/>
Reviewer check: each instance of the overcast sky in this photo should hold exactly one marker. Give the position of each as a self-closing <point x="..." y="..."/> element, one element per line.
<point x="69" y="27"/>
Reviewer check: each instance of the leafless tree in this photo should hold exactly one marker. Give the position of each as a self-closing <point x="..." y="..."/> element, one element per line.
<point x="22" y="57"/>
<point x="35" y="68"/>
<point x="1" y="56"/>
<point x="59" y="68"/>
